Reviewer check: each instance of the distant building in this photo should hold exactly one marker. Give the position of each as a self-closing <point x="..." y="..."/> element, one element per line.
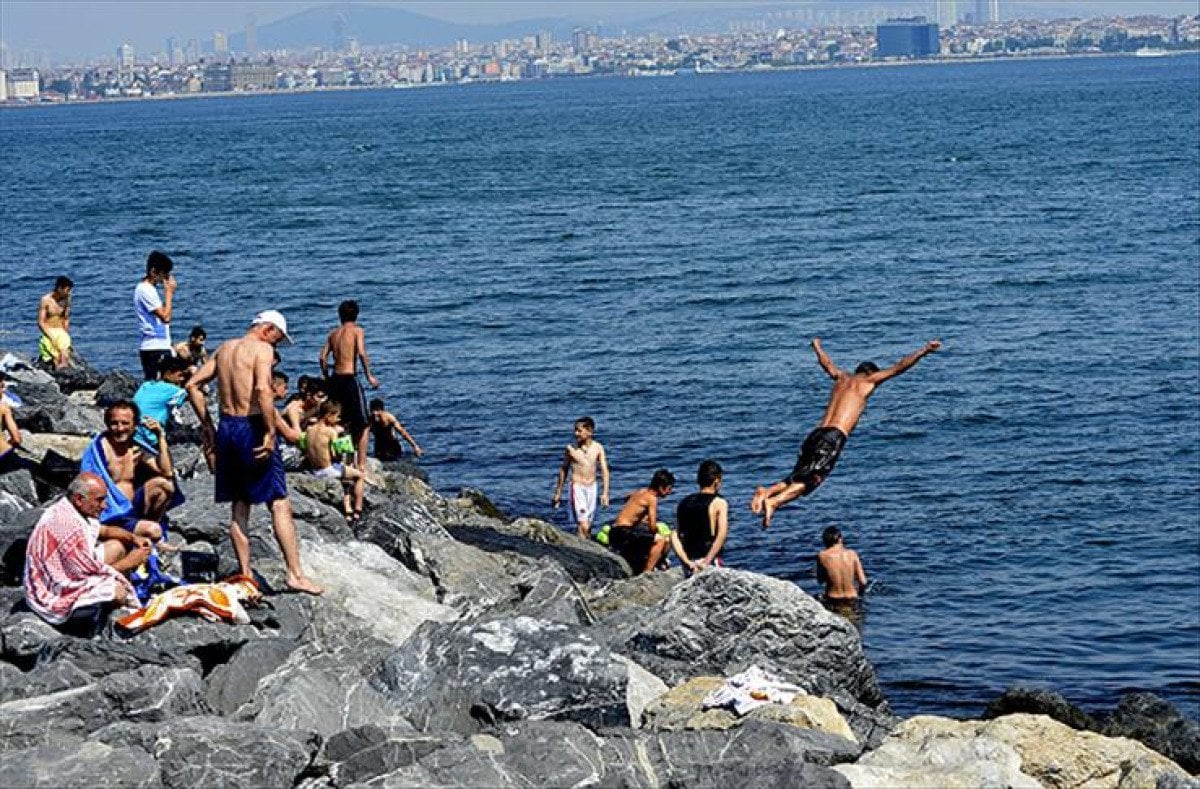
<point x="3" y="86"/>
<point x="544" y="42"/>
<point x="907" y="38"/>
<point x="226" y="77"/>
<point x="24" y="83"/>
<point x="126" y="59"/>
<point x="947" y="13"/>
<point x="220" y="44"/>
<point x="191" y="52"/>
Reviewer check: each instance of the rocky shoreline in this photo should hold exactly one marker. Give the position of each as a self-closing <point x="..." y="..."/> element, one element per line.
<point x="458" y="647"/>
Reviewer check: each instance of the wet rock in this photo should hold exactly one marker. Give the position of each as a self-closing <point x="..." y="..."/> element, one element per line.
<point x="1156" y="723"/>
<point x="681" y="709"/>
<point x="540" y="541"/>
<point x="1037" y="701"/>
<point x="83" y="765"/>
<point x="214" y="752"/>
<point x="457" y="677"/>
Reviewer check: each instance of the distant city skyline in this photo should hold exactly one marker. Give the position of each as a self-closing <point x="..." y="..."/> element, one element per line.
<point x="68" y="29"/>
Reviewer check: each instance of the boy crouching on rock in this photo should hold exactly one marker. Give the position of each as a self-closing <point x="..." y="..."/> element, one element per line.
<point x="636" y="533"/>
<point x="325" y="440"/>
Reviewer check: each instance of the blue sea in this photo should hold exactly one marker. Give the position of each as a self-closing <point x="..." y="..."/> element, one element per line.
<point x="659" y="253"/>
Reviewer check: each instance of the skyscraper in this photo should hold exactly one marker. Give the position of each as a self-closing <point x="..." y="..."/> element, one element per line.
<point x="987" y="11"/>
<point x="220" y="44"/>
<point x="911" y="38"/>
<point x="947" y="13"/>
<point x="174" y="53"/>
<point x="125" y="58"/>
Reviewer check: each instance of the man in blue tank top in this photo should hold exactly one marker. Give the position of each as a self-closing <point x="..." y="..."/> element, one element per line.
<point x="824" y="444"/>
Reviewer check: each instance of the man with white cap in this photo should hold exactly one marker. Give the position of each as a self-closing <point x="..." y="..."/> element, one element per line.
<point x="249" y="469"/>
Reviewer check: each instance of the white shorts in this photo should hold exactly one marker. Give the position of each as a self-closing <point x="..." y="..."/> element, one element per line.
<point x="335" y="471"/>
<point x="583" y="503"/>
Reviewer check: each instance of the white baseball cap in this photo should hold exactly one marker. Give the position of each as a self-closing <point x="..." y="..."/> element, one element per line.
<point x="274" y="318"/>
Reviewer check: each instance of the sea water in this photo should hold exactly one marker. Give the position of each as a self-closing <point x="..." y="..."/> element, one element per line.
<point x="658" y="254"/>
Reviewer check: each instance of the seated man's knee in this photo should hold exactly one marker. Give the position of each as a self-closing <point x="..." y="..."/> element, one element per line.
<point x="149" y="529"/>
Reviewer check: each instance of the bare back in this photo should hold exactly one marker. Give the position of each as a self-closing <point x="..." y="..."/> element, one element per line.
<point x="345" y="343"/>
<point x="243" y="368"/>
<point x="639" y="508"/>
<point x="841" y="571"/>
<point x="847" y="401"/>
<point x="318" y="454"/>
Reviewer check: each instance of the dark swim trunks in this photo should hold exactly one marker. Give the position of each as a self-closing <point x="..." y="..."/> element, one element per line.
<point x="633" y="544"/>
<point x="818" y="456"/>
<point x="346" y="391"/>
<point x="239" y="477"/>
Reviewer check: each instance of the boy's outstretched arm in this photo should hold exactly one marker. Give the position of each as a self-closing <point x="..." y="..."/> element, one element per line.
<point x="906" y="362"/>
<point x="826" y="363"/>
<point x="404" y="434"/>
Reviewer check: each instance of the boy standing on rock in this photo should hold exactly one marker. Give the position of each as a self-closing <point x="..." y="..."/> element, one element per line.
<point x="154" y="312"/>
<point x="581" y="460"/>
<point x="249" y="468"/>
<point x="702" y="521"/>
<point x="347" y="344"/>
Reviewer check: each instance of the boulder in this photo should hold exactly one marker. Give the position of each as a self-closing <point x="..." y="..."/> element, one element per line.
<point x="361" y="578"/>
<point x="115" y="385"/>
<point x="83" y="765"/>
<point x="233" y="683"/>
<point x="215" y="752"/>
<point x="999" y="752"/>
<point x="359" y="754"/>
<point x="47" y="409"/>
<point x="1156" y="723"/>
<point x="645" y="590"/>
<point x="14" y="535"/>
<point x="78" y="376"/>
<point x="681" y="708"/>
<point x="1038" y="701"/>
<point x="721" y="622"/>
<point x="537" y="540"/>
<point x="19" y="485"/>
<point x="40" y="680"/>
<point x="460" y="676"/>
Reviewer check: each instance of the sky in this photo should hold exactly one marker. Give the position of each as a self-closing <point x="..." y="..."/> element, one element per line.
<point x="77" y="28"/>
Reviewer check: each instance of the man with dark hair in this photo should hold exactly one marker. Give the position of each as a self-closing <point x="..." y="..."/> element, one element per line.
<point x="841" y="572"/>
<point x="702" y="521"/>
<point x="154" y="313"/>
<point x="824" y="444"/>
<point x="347" y="344"/>
<point x="54" y="322"/>
<point x="249" y="468"/>
<point x="192" y="349"/>
<point x="385" y="427"/>
<point x="635" y="534"/>
<point x="141" y="484"/>
<point x="161" y="398"/>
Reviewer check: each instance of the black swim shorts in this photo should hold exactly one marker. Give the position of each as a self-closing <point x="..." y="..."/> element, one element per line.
<point x="817" y="458"/>
<point x="347" y="392"/>
<point x="633" y="544"/>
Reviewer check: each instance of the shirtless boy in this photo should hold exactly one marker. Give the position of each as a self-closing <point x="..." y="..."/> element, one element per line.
<point x="300" y="410"/>
<point x="192" y="349"/>
<point x="388" y="431"/>
<point x="841" y="571"/>
<point x="249" y="469"/>
<point x="147" y="480"/>
<point x="320" y="448"/>
<point x="54" y="322"/>
<point x="581" y="460"/>
<point x="824" y="444"/>
<point x="347" y="345"/>
<point x="634" y="534"/>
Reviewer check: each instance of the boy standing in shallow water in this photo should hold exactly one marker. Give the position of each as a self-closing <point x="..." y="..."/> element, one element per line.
<point x="582" y="460"/>
<point x="841" y="571"/>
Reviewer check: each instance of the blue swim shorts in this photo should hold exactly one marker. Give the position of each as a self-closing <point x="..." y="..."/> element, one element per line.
<point x="239" y="477"/>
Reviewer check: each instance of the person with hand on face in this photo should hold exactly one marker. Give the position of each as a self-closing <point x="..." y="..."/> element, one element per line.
<point x="154" y="313"/>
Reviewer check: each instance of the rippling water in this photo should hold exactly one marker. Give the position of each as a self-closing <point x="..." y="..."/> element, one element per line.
<point x="658" y="253"/>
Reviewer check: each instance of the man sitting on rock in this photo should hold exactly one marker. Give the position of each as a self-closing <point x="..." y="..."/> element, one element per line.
<point x="141" y="486"/>
<point x="10" y="437"/>
<point x="74" y="565"/>
<point x="635" y="534"/>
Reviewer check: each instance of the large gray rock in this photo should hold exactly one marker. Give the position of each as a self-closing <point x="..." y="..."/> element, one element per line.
<point x="359" y="754"/>
<point x="19" y="484"/>
<point x="1038" y="701"/>
<point x="149" y="694"/>
<point x="115" y="385"/>
<point x="555" y="753"/>
<point x="1157" y="724"/>
<point x="458" y="677"/>
<point x="645" y="590"/>
<point x="234" y="682"/>
<point x="584" y="559"/>
<point x="14" y="535"/>
<point x="83" y="765"/>
<point x="214" y="752"/>
<point x="47" y="409"/>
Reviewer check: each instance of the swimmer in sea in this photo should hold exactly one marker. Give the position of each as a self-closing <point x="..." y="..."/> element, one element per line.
<point x="841" y="572"/>
<point x="824" y="444"/>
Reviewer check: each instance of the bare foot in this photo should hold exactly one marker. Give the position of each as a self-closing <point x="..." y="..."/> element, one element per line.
<point x="760" y="495"/>
<point x="302" y="584"/>
<point x="768" y="511"/>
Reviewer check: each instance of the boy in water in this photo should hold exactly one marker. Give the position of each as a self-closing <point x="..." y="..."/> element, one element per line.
<point x="582" y="460"/>
<point x="841" y="571"/>
<point x="384" y="428"/>
<point x="634" y="534"/>
<point x="348" y="345"/>
<point x="702" y="521"/>
<point x="322" y="441"/>
<point x="54" y="322"/>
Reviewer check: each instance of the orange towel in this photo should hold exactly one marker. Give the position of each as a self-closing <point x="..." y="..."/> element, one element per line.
<point x="219" y="602"/>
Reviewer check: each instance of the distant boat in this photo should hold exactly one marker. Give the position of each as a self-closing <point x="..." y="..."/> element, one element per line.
<point x="653" y="72"/>
<point x="1150" y="52"/>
